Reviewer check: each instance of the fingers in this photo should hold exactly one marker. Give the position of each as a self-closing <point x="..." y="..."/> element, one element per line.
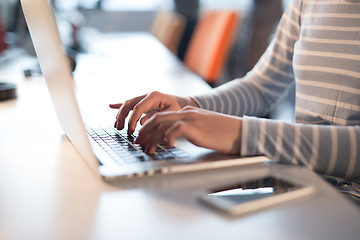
<point x="139" y="105"/>
<point x="146" y="104"/>
<point x="153" y="125"/>
<point x="115" y="106"/>
<point x="139" y="109"/>
<point x="122" y="114"/>
<point x="155" y="130"/>
<point x="168" y="131"/>
<point x="175" y="131"/>
<point x="155" y="139"/>
<point x="153" y="102"/>
<point x="145" y="118"/>
<point x="124" y="109"/>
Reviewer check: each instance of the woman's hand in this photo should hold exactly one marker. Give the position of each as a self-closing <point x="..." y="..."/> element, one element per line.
<point x="149" y="104"/>
<point x="201" y="127"/>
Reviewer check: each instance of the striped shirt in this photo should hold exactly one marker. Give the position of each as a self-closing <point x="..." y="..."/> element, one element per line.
<point x="317" y="47"/>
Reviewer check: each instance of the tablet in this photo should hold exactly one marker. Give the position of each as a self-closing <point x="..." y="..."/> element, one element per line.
<point x="249" y="196"/>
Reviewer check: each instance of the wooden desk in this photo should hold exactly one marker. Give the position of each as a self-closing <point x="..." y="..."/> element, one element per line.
<point x="47" y="192"/>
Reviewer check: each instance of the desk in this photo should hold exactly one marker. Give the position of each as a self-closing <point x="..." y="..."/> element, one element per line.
<point x="47" y="191"/>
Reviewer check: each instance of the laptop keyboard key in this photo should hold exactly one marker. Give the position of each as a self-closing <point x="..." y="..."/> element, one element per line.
<point x="121" y="147"/>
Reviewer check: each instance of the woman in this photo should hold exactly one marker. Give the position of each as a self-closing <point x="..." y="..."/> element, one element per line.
<point x="316" y="47"/>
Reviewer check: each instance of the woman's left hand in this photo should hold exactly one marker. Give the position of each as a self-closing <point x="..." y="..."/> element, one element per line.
<point x="201" y="127"/>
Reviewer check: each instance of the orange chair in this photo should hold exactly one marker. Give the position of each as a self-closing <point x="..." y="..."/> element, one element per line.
<point x="209" y="47"/>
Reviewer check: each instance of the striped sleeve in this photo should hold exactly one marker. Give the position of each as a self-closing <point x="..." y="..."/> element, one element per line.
<point x="316" y="45"/>
<point x="326" y="149"/>
<point x="271" y="78"/>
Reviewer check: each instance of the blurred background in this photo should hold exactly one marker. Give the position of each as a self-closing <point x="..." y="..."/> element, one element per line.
<point x="173" y="22"/>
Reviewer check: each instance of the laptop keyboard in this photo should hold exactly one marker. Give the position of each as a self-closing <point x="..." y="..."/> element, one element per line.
<point x="121" y="147"/>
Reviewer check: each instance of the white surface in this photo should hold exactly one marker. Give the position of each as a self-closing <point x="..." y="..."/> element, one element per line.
<point x="47" y="191"/>
<point x="55" y="69"/>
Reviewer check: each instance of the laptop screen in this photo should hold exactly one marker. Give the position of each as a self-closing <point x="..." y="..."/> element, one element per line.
<point x="56" y="70"/>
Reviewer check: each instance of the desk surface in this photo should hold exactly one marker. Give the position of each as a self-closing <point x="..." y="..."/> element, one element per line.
<point x="47" y="191"/>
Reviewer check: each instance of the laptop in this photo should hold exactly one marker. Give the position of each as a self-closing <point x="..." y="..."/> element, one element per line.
<point x="111" y="154"/>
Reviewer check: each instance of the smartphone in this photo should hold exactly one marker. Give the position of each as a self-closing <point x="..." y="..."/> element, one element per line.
<point x="249" y="196"/>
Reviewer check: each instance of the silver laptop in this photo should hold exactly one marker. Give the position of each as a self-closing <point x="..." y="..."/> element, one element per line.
<point x="111" y="154"/>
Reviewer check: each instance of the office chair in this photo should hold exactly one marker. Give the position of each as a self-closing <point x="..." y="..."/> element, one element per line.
<point x="168" y="28"/>
<point x="211" y="42"/>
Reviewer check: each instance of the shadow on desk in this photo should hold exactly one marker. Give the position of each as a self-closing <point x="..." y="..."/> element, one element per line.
<point x="179" y="189"/>
<point x="182" y="189"/>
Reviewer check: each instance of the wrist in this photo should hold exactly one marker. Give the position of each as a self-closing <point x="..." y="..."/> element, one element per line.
<point x="237" y="135"/>
<point x="186" y="101"/>
<point x="193" y="103"/>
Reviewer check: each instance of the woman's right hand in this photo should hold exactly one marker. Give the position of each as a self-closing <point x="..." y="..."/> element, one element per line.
<point x="149" y="104"/>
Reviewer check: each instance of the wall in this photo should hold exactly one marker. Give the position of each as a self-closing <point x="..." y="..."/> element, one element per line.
<point x="115" y="21"/>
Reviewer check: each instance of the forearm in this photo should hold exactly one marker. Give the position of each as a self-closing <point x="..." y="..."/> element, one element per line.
<point x="270" y="79"/>
<point x="238" y="97"/>
<point x="331" y="150"/>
